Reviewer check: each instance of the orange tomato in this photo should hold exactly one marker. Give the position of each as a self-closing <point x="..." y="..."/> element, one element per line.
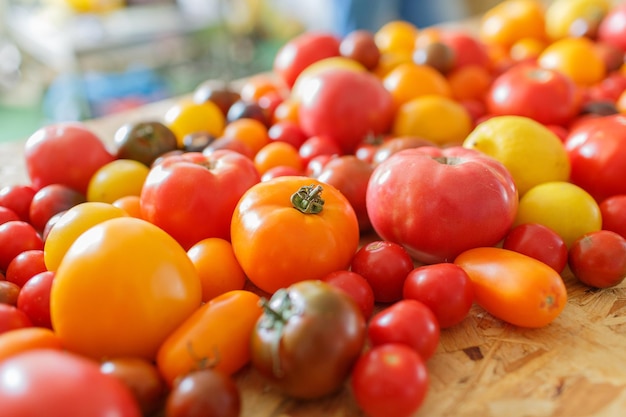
<point x="408" y="81"/>
<point x="576" y="58"/>
<point x="277" y="245"/>
<point x="514" y="287"/>
<point x="217" y="335"/>
<point x="130" y="204"/>
<point x="251" y="132"/>
<point x="469" y="82"/>
<point x="396" y="36"/>
<point x="27" y="338"/>
<point x="256" y="86"/>
<point x="286" y="110"/>
<point x="512" y="20"/>
<point x="275" y="154"/>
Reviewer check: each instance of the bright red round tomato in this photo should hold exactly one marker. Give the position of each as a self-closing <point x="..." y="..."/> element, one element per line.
<point x="25" y="266"/>
<point x="52" y="149"/>
<point x="598" y="259"/>
<point x="540" y="242"/>
<point x="7" y="215"/>
<point x="597" y="152"/>
<point x="612" y="210"/>
<point x="390" y="380"/>
<point x="319" y="145"/>
<point x="16" y="237"/>
<point x="545" y="95"/>
<point x="612" y="28"/>
<point x="384" y="265"/>
<point x="287" y="131"/>
<point x="18" y="198"/>
<point x="345" y="105"/>
<point x="82" y="391"/>
<point x="410" y="322"/>
<point x="12" y="318"/>
<point x="445" y="288"/>
<point x="34" y="299"/>
<point x="356" y="287"/>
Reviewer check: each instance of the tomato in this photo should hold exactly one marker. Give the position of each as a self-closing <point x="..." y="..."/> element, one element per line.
<point x="52" y="149"/>
<point x="83" y="390"/>
<point x="390" y="380"/>
<point x="203" y="340"/>
<point x="117" y="179"/>
<point x="8" y="292"/>
<point x="308" y="339"/>
<point x="16" y="237"/>
<point x="204" y="393"/>
<point x="396" y="144"/>
<point x="143" y="141"/>
<point x="50" y="200"/>
<point x="356" y="287"/>
<point x="277" y="246"/>
<point x="598" y="259"/>
<point x="434" y="201"/>
<point x="445" y="288"/>
<point x="12" y="318"/>
<point x="350" y="175"/>
<point x="540" y="242"/>
<point x="466" y="48"/>
<point x="25" y="265"/>
<point x="360" y="45"/>
<point x="142" y="378"/>
<point x="612" y="28"/>
<point x="18" y="198"/>
<point x="545" y="95"/>
<point x="218" y="92"/>
<point x="171" y="199"/>
<point x="612" y="210"/>
<point x="301" y="51"/>
<point x="6" y="215"/>
<point x="598" y="155"/>
<point x="318" y="145"/>
<point x="27" y="338"/>
<point x="242" y="109"/>
<point x="34" y="299"/>
<point x="385" y="266"/>
<point x="145" y="277"/>
<point x="345" y="105"/>
<point x="408" y="321"/>
<point x="188" y="117"/>
<point x="514" y="287"/>
<point x="72" y="224"/>
<point x="280" y="171"/>
<point x="287" y="131"/>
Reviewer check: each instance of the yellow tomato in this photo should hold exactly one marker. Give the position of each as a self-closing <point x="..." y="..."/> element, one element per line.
<point x="121" y="289"/>
<point x="187" y="117"/>
<point x="117" y="179"/>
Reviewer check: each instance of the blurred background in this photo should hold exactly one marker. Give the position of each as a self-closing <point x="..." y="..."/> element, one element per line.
<point x="78" y="59"/>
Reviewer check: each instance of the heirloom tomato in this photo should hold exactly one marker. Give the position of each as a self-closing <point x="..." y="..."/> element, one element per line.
<point x="30" y="385"/>
<point x="122" y="287"/>
<point x="217" y="336"/>
<point x="308" y="338"/>
<point x="439" y="202"/>
<point x="192" y="196"/>
<point x="290" y="229"/>
<point x="514" y="287"/>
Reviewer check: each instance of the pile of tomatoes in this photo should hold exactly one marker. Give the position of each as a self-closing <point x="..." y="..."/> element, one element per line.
<point x="322" y="223"/>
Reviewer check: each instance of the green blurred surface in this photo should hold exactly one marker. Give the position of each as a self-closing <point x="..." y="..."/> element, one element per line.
<point x="17" y="123"/>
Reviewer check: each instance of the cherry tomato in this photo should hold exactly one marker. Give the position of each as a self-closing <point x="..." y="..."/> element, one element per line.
<point x="16" y="237"/>
<point x="18" y="198"/>
<point x="612" y="210"/>
<point x="360" y="45"/>
<point x="308" y="339"/>
<point x="8" y="292"/>
<point x="12" y="318"/>
<point x="50" y="200"/>
<point x="82" y="391"/>
<point x="27" y="338"/>
<point x="144" y="141"/>
<point x="356" y="287"/>
<point x="540" y="242"/>
<point x="408" y="321"/>
<point x="514" y="287"/>
<point x="390" y="380"/>
<point x="25" y="265"/>
<point x="445" y="288"/>
<point x="318" y="145"/>
<point x="204" y="393"/>
<point x="203" y="340"/>
<point x="117" y="179"/>
<point x="287" y="131"/>
<point x="598" y="259"/>
<point x="187" y="117"/>
<point x="385" y="265"/>
<point x="7" y="215"/>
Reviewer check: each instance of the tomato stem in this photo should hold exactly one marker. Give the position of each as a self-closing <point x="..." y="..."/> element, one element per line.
<point x="308" y="199"/>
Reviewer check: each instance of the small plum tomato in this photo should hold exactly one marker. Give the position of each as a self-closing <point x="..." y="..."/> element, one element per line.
<point x="356" y="287"/>
<point x="16" y="237"/>
<point x="445" y="288"/>
<point x="34" y="299"/>
<point x="385" y="265"/>
<point x="612" y="210"/>
<point x="598" y="259"/>
<point x="390" y="380"/>
<point x="26" y="265"/>
<point x="540" y="242"/>
<point x="407" y="321"/>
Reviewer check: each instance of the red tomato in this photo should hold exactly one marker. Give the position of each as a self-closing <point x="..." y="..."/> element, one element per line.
<point x="171" y="199"/>
<point x="52" y="149"/>
<point x="34" y="299"/>
<point x="385" y="266"/>
<point x="16" y="237"/>
<point x="25" y="265"/>
<point x="539" y="242"/>
<point x="612" y="28"/>
<point x="345" y="105"/>
<point x="12" y="318"/>
<point x="410" y="322"/>
<point x="50" y="200"/>
<point x="6" y="215"/>
<point x="356" y="287"/>
<point x="598" y="259"/>
<point x="434" y="201"/>
<point x="287" y="131"/>
<point x="18" y="199"/>
<point x="612" y="210"/>
<point x="445" y="288"/>
<point x="82" y="391"/>
<point x="598" y="155"/>
<point x="8" y="292"/>
<point x="315" y="146"/>
<point x="390" y="380"/>
<point x="301" y="51"/>
<point x="466" y="48"/>
<point x="545" y="95"/>
<point x="514" y="287"/>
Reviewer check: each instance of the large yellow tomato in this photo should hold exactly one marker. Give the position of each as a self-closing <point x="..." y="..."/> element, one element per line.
<point x="122" y="287"/>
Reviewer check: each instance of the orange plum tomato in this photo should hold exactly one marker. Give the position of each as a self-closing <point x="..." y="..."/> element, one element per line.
<point x="141" y="286"/>
<point x="514" y="287"/>
<point x="290" y="229"/>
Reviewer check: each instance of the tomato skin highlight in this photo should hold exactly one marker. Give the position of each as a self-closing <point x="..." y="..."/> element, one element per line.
<point x="514" y="287"/>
